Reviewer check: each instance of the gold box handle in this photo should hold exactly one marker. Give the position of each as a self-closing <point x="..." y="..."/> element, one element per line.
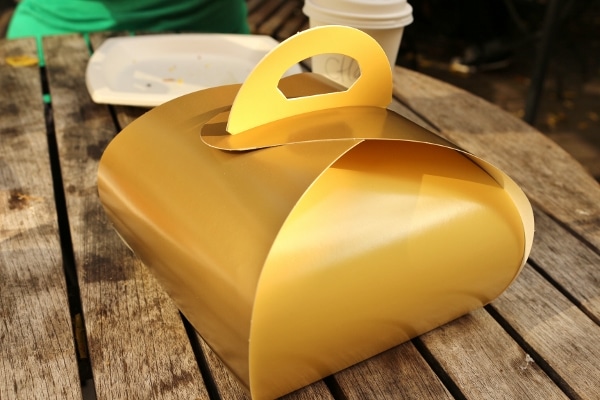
<point x="259" y="101"/>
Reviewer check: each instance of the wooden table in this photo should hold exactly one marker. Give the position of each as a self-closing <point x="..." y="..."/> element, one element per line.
<point x="77" y="307"/>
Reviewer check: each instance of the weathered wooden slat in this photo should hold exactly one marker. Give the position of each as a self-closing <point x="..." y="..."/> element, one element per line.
<point x="399" y="373"/>
<point x="569" y="263"/>
<point x="548" y="174"/>
<point x="137" y="342"/>
<point x="485" y="362"/>
<point x="566" y="339"/>
<point x="37" y="351"/>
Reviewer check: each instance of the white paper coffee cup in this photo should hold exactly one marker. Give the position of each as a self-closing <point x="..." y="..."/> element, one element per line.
<point x="384" y="20"/>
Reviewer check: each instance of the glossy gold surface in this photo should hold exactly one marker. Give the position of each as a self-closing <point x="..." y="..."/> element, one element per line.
<point x="309" y="241"/>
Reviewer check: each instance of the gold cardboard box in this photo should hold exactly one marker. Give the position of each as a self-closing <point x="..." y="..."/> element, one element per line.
<point x="303" y="232"/>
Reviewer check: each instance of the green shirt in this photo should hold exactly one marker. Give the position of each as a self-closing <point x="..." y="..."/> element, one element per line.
<point x="51" y="17"/>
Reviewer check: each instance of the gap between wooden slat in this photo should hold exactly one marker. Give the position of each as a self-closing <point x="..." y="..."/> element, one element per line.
<point x="73" y="292"/>
<point x="334" y="387"/>
<point x="209" y="382"/>
<point x="438" y="369"/>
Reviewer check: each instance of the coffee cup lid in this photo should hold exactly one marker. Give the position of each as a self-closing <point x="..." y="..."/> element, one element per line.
<point x="361" y="14"/>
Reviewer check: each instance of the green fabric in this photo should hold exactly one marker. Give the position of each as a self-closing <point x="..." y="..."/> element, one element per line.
<point x="51" y="17"/>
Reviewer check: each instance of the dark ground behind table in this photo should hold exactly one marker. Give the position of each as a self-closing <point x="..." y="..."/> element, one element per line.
<point x="569" y="108"/>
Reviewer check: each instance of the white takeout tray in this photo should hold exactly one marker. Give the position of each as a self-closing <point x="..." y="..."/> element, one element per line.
<point x="152" y="69"/>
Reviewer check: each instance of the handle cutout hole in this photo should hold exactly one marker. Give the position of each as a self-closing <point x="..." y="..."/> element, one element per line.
<point x="338" y="67"/>
<point x="340" y="74"/>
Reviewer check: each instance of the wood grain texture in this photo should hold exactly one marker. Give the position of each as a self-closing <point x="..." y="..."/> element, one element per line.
<point x="137" y="342"/>
<point x="37" y="351"/>
<point x="399" y="373"/>
<point x="485" y="362"/>
<point x="551" y="178"/>
<point x="556" y="329"/>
